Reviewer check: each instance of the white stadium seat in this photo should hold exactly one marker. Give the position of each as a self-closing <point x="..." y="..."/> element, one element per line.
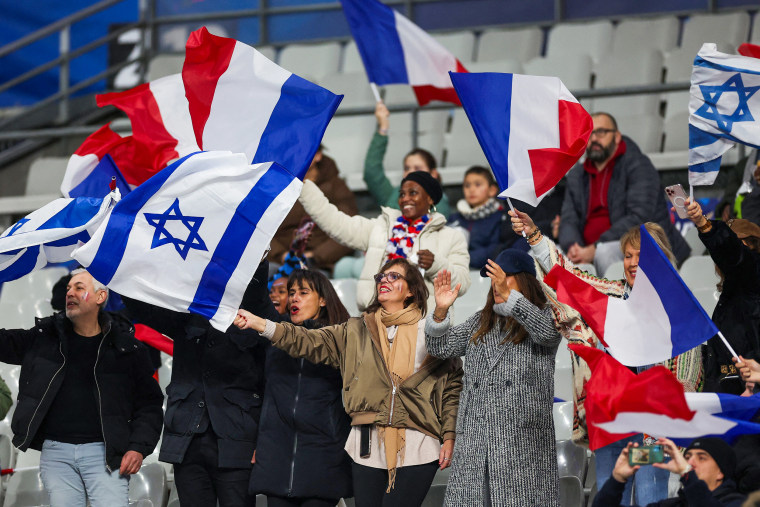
<point x="661" y="34"/>
<point x="461" y="44"/>
<point x="645" y="130"/>
<point x="506" y="66"/>
<point x="346" y="141"/>
<point x="148" y="487"/>
<point x="520" y="45"/>
<point x="726" y="30"/>
<point x="645" y="68"/>
<point x="462" y="148"/>
<point x="354" y="86"/>
<point x="593" y="39"/>
<point x="346" y="290"/>
<point x="164" y="65"/>
<point x="45" y="176"/>
<point x="692" y="238"/>
<point x="352" y="61"/>
<point x="563" y="420"/>
<point x="311" y="61"/>
<point x="573" y="69"/>
<point x="615" y="271"/>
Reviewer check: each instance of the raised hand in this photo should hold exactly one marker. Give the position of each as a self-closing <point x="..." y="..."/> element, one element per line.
<point x="677" y="463"/>
<point x="383" y="116"/>
<point x="246" y="320"/>
<point x="444" y="294"/>
<point x="623" y="470"/>
<point x="521" y="222"/>
<point x="501" y="282"/>
<point x="749" y="369"/>
<point x="694" y="210"/>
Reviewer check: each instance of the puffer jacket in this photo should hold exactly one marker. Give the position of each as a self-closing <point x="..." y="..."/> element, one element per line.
<point x="371" y="236"/>
<point x="426" y="401"/>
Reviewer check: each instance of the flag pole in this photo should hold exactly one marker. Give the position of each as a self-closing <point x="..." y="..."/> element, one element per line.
<point x="691" y="192"/>
<point x="725" y="342"/>
<point x="509" y="201"/>
<point x="375" y="92"/>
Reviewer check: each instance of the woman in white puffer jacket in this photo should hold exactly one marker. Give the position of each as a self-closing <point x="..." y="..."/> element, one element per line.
<point x="414" y="232"/>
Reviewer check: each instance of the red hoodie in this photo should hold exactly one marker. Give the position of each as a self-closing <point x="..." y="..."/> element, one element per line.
<point x="598" y="214"/>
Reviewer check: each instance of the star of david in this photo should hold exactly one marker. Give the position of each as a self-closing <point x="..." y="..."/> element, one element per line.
<point x="162" y="236"/>
<point x="18" y="225"/>
<point x="712" y="95"/>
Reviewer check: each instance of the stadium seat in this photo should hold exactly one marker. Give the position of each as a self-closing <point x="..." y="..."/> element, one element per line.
<point x="346" y="140"/>
<point x="346" y="290"/>
<point x="593" y="39"/>
<point x="661" y="34"/>
<point x="692" y="238"/>
<point x="519" y="45"/>
<point x="571" y="492"/>
<point x="442" y="476"/>
<point x="563" y="373"/>
<point x="589" y="485"/>
<point x="698" y="271"/>
<point x="399" y="95"/>
<point x="41" y="282"/>
<point x="352" y="61"/>
<point x="590" y="268"/>
<point x="562" y="412"/>
<point x="164" y="65"/>
<point x="311" y="61"/>
<point x="615" y="271"/>
<point x="173" y="498"/>
<point x="399" y="145"/>
<point x="571" y="459"/>
<point x="462" y="148"/>
<point x="727" y="30"/>
<point x="25" y="489"/>
<point x="45" y="176"/>
<point x="346" y="502"/>
<point x="644" y="129"/>
<point x="676" y="130"/>
<point x="147" y="488"/>
<point x="354" y="86"/>
<point x="16" y="315"/>
<point x="573" y="69"/>
<point x="461" y="44"/>
<point x="707" y="297"/>
<point x="435" y="496"/>
<point x="473" y="300"/>
<point x="506" y="66"/>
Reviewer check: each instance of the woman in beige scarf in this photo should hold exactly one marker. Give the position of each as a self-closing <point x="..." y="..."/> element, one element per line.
<point x="402" y="401"/>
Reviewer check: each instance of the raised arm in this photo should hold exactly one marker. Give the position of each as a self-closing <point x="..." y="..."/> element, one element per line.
<point x="377" y="182"/>
<point x="351" y="231"/>
<point x="325" y="345"/>
<point x="440" y="339"/>
<point x="538" y="322"/>
<point x="456" y="261"/>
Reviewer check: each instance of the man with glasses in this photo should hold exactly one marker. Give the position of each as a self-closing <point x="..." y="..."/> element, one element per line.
<point x="614" y="189"/>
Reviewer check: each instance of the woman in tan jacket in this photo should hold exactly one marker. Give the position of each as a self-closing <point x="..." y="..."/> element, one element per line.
<point x="402" y="401"/>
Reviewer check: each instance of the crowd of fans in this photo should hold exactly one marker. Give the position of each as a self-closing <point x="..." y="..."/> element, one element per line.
<point x="302" y="403"/>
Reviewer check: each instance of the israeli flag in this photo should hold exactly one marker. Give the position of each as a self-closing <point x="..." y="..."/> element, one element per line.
<point x="191" y="237"/>
<point x="50" y="234"/>
<point x="724" y="109"/>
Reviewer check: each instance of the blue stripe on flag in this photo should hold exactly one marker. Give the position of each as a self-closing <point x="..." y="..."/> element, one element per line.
<point x="701" y="62"/>
<point x="373" y="26"/>
<point x="711" y="166"/>
<point x="487" y="100"/>
<point x="689" y="324"/>
<point x="698" y="137"/>
<point x="75" y="214"/>
<point x="290" y="135"/>
<point x="235" y="239"/>
<point x="739" y="407"/>
<point x="114" y="241"/>
<point x="97" y="183"/>
<point x="22" y="266"/>
<point x="83" y="236"/>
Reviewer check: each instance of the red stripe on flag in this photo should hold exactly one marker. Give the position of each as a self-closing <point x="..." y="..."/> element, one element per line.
<point x="152" y="145"/>
<point x="428" y="93"/>
<point x="574" y="292"/>
<point x="100" y="142"/>
<point x="151" y="337"/>
<point x="551" y="164"/>
<point x="613" y="389"/>
<point x="751" y="50"/>
<point x="207" y="57"/>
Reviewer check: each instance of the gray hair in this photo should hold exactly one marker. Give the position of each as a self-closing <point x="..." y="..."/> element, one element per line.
<point x="95" y="284"/>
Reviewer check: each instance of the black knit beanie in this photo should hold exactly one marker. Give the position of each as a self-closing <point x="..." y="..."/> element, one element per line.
<point x="718" y="450"/>
<point x="428" y="183"/>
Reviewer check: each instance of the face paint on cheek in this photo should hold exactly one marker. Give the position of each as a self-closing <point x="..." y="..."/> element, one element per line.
<point x="86" y="296"/>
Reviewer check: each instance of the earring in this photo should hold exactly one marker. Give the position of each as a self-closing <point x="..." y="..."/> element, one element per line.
<point x="433" y="209"/>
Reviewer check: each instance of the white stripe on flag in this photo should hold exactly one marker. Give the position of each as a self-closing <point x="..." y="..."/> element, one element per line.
<point x="244" y="99"/>
<point x="169" y="93"/>
<point x="427" y="61"/>
<point x="659" y="425"/>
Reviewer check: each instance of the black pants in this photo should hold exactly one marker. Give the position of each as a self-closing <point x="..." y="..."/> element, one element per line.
<point x="277" y="501"/>
<point x="201" y="483"/>
<point x="412" y="484"/>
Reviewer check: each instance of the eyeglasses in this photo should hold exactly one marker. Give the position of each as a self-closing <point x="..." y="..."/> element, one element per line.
<point x="601" y="132"/>
<point x="391" y="276"/>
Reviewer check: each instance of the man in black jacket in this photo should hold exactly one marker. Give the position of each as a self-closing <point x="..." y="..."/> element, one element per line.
<point x="616" y="188"/>
<point x="87" y="398"/>
<point x="706" y="469"/>
<point x="215" y="397"/>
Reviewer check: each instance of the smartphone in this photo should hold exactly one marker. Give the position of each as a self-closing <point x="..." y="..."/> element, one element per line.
<point x="677" y="197"/>
<point x="365" y="442"/>
<point x="645" y="455"/>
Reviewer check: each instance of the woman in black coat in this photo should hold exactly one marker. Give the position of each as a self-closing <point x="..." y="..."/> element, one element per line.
<point x="300" y="459"/>
<point x="735" y="248"/>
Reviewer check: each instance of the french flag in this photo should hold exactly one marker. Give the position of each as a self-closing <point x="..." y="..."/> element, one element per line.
<point x="620" y="404"/>
<point x="531" y="129"/>
<point x="660" y="319"/>
<point x="161" y="132"/>
<point x="396" y="51"/>
<point x="242" y="102"/>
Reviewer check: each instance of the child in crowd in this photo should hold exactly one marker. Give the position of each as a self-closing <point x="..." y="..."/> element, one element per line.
<point x="480" y="215"/>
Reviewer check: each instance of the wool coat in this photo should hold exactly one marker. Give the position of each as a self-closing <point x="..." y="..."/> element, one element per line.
<point x="371" y="236"/>
<point x="505" y="430"/>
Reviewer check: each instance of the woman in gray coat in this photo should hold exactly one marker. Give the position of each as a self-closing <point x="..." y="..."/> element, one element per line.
<point x="504" y="453"/>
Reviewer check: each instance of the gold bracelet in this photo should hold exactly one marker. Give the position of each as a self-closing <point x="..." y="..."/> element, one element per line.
<point x="537" y="240"/>
<point x="706" y="226"/>
<point x="533" y="234"/>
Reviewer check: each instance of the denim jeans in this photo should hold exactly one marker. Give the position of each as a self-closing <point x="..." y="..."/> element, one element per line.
<point x="73" y="473"/>
<point x="649" y="485"/>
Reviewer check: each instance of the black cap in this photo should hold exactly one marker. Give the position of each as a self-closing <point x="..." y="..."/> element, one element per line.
<point x="720" y="451"/>
<point x="513" y="261"/>
<point x="428" y="183"/>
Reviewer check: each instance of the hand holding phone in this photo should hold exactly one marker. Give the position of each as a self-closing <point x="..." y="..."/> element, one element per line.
<point x="645" y="455"/>
<point x="677" y="197"/>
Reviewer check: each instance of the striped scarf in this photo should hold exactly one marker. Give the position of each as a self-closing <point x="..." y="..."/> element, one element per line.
<point x="403" y="236"/>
